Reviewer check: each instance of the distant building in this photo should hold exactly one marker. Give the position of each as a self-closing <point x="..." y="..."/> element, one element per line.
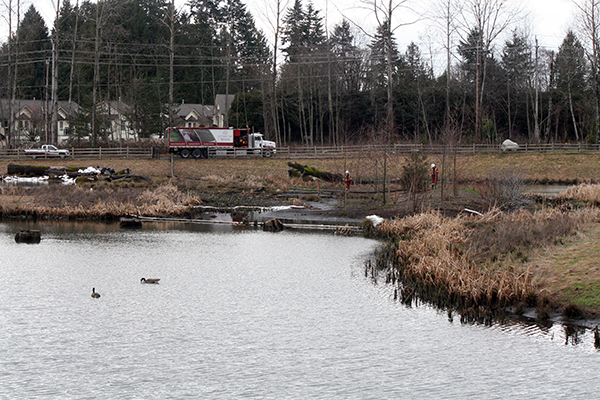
<point x="223" y="104"/>
<point x="32" y="120"/>
<point x="189" y="114"/>
<point x="117" y="115"/>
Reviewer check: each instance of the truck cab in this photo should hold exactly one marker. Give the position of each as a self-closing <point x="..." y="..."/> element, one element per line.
<point x="257" y="141"/>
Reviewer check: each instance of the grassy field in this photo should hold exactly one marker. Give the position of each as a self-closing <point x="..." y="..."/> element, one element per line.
<point x="545" y="168"/>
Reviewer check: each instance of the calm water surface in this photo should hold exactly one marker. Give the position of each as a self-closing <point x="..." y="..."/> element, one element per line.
<point x="249" y="315"/>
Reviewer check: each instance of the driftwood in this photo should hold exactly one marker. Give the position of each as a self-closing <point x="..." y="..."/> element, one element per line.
<point x="304" y="171"/>
<point x="273" y="225"/>
<point x="130" y="223"/>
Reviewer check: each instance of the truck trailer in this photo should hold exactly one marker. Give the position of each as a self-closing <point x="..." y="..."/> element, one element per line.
<point x="199" y="142"/>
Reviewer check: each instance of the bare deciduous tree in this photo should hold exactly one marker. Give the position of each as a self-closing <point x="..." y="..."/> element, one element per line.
<point x="489" y="18"/>
<point x="589" y="26"/>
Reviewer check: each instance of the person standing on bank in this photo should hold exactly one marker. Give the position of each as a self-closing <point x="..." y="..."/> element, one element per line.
<point x="434" y="176"/>
<point x="348" y="180"/>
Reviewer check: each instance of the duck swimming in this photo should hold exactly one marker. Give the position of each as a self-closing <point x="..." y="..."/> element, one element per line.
<point x="152" y="280"/>
<point x="95" y="294"/>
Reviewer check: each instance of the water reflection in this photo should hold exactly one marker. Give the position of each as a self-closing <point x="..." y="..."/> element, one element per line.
<point x="247" y="314"/>
<point x="573" y="334"/>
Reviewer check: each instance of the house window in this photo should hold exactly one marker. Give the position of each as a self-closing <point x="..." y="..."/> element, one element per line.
<point x="60" y="125"/>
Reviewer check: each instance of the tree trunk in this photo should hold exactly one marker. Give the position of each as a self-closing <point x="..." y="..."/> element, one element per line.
<point x="573" y="115"/>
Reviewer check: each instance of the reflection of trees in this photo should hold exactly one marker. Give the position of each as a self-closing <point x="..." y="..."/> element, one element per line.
<point x="573" y="334"/>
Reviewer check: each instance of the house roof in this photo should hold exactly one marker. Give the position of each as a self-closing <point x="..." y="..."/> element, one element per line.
<point x="185" y="109"/>
<point x="223" y="102"/>
<point x="115" y="106"/>
<point x="36" y="108"/>
<point x="194" y="112"/>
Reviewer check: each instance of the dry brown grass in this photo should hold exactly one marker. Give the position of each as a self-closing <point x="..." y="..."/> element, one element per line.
<point x="541" y="167"/>
<point x="89" y="203"/>
<point x="432" y="253"/>
<point x="589" y="193"/>
<point x="480" y="260"/>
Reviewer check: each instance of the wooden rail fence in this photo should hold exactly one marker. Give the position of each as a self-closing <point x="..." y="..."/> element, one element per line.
<point x="299" y="152"/>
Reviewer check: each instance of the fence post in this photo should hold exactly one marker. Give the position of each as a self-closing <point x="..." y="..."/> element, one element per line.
<point x="100" y="153"/>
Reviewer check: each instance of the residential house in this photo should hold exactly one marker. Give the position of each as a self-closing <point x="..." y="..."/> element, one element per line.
<point x="117" y="115"/>
<point x="188" y="114"/>
<point x="222" y="105"/>
<point x="33" y="118"/>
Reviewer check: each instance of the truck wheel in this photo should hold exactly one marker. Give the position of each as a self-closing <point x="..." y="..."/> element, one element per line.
<point x="185" y="153"/>
<point x="62" y="156"/>
<point x="196" y="153"/>
<point x="267" y="153"/>
<point x="33" y="157"/>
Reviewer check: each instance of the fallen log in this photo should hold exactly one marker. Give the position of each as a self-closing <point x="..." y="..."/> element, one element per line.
<point x="128" y="177"/>
<point x="299" y="170"/>
<point x="26" y="170"/>
<point x="273" y="225"/>
<point x="73" y="172"/>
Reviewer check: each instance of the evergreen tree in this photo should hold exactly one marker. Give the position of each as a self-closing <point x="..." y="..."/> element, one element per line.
<point x="571" y="69"/>
<point x="294" y="32"/>
<point x="304" y="77"/>
<point x="518" y="69"/>
<point x="469" y="50"/>
<point x="34" y="55"/>
<point x="414" y="92"/>
<point x="377" y="77"/>
<point x="379" y="80"/>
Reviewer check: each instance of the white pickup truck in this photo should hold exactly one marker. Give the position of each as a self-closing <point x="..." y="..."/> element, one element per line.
<point x="46" y="151"/>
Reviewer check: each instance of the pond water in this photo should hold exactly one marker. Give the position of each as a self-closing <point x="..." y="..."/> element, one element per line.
<point x="546" y="190"/>
<point x="242" y="314"/>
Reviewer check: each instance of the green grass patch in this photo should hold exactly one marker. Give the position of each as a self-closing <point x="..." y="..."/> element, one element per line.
<point x="583" y="294"/>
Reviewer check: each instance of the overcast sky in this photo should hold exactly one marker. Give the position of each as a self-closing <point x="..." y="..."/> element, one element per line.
<point x="549" y="20"/>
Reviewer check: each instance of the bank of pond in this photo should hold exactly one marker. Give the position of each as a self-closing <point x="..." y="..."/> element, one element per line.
<point x="476" y="267"/>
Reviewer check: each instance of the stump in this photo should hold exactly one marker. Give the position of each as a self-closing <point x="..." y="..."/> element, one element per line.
<point x="28" y="236"/>
<point x="273" y="225"/>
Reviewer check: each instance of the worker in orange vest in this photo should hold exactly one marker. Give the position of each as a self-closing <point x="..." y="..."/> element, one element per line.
<point x="347" y="180"/>
<point x="434" y="175"/>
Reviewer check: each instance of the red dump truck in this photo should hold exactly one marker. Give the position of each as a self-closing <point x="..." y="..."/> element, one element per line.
<point x="198" y="142"/>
